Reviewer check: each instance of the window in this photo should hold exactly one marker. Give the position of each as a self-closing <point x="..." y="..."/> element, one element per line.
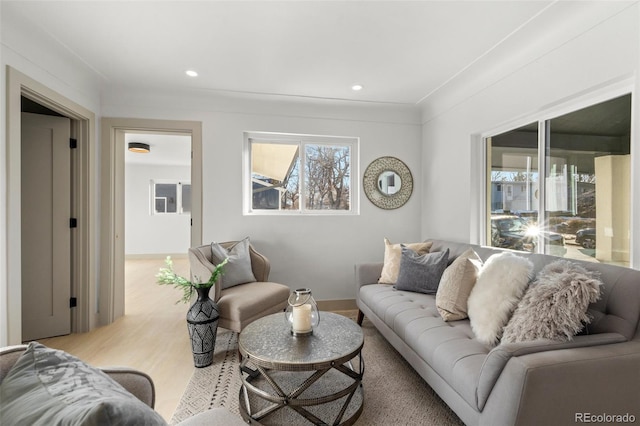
<point x="579" y="207"/>
<point x="170" y="197"/>
<point x="300" y="174"/>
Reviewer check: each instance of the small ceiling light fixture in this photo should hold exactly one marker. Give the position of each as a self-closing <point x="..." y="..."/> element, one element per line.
<point x="191" y="73"/>
<point x="139" y="147"/>
<point x="357" y="87"/>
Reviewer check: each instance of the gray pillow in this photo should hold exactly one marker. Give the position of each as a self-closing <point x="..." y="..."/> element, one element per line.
<point x="50" y="387"/>
<point x="238" y="268"/>
<point x="421" y="273"/>
<point x="555" y="304"/>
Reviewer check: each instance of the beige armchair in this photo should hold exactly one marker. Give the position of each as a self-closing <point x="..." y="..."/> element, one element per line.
<point x="241" y="304"/>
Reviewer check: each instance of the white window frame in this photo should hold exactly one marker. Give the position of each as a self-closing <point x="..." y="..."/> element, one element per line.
<point x="152" y="197"/>
<point x="302" y="140"/>
<point x="480" y="167"/>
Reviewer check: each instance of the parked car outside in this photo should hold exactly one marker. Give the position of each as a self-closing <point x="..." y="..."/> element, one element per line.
<point x="511" y="232"/>
<point x="516" y="233"/>
<point x="586" y="238"/>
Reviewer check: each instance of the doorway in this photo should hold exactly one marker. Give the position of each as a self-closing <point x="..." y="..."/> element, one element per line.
<point x="157" y="203"/>
<point x="113" y="210"/>
<point x="82" y="128"/>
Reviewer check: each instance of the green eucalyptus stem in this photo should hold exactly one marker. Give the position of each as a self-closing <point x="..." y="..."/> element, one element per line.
<point x="167" y="276"/>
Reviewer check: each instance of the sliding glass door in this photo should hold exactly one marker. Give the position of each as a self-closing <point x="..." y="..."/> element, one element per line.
<point x="581" y="208"/>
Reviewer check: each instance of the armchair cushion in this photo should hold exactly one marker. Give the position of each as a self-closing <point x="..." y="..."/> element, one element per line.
<point x="48" y="386"/>
<point x="238" y="268"/>
<point x="238" y="304"/>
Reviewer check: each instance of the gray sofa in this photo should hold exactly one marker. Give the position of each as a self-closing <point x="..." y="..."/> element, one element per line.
<point x="543" y="382"/>
<point x="136" y="382"/>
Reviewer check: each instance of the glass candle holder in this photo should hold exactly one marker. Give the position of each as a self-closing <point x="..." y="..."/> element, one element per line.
<point x="302" y="312"/>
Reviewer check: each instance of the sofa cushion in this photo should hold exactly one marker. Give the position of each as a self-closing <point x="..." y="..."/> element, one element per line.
<point x="450" y="348"/>
<point x="47" y="386"/>
<point x="555" y="305"/>
<point x="456" y="284"/>
<point x="393" y="256"/>
<point x="238" y="268"/>
<point x="421" y="273"/>
<point x="500" y="286"/>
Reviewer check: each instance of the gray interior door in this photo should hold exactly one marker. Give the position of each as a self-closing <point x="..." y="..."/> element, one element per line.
<point x="46" y="235"/>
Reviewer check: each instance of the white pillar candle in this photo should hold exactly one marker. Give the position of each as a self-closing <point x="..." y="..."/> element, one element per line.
<point x="302" y="318"/>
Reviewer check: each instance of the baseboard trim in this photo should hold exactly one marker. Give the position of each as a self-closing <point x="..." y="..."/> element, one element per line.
<point x="155" y="256"/>
<point x="337" y="305"/>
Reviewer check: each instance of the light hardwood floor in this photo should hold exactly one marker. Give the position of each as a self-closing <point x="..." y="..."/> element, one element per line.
<point x="152" y="336"/>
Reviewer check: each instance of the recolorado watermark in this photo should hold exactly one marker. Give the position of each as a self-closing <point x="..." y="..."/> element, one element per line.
<point x="604" y="418"/>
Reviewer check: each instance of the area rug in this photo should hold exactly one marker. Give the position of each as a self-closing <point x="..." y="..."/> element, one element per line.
<point x="394" y="393"/>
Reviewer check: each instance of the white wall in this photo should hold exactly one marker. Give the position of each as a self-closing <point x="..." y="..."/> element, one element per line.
<point x="153" y="234"/>
<point x="594" y="57"/>
<point x="318" y="252"/>
<point x="33" y="53"/>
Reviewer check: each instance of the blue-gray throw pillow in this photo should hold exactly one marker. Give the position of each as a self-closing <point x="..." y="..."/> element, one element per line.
<point x="238" y="268"/>
<point x="50" y="387"/>
<point x="421" y="273"/>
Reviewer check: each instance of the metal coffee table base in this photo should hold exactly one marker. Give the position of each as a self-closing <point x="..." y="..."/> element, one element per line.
<point x="330" y="395"/>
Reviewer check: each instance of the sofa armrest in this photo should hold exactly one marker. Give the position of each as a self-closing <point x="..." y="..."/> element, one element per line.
<point x="367" y="273"/>
<point x="134" y="381"/>
<point x="564" y="386"/>
<point x="499" y="356"/>
<point x="8" y="356"/>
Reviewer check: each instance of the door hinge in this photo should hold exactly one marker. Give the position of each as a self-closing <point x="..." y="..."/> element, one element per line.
<point x="73" y="302"/>
<point x="73" y="222"/>
<point x="73" y="143"/>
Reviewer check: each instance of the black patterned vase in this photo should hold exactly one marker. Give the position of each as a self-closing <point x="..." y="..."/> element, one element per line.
<point x="202" y="322"/>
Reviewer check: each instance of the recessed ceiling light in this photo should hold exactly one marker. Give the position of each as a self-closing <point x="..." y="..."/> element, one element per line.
<point x="191" y="73"/>
<point x="357" y="87"/>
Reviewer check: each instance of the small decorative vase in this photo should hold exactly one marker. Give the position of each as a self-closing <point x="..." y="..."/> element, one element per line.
<point x="302" y="313"/>
<point x="202" y="322"/>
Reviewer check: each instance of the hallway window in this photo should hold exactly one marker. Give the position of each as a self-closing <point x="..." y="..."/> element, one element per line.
<point x="170" y="197"/>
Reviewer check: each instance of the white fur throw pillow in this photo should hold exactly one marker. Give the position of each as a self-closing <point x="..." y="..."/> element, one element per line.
<point x="555" y="305"/>
<point x="499" y="287"/>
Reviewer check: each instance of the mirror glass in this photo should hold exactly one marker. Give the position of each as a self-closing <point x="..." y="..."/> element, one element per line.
<point x="389" y="182"/>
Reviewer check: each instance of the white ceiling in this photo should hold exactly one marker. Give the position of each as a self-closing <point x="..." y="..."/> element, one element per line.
<point x="165" y="149"/>
<point x="402" y="52"/>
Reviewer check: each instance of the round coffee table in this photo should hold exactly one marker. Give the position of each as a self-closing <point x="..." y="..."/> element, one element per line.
<point x="286" y="379"/>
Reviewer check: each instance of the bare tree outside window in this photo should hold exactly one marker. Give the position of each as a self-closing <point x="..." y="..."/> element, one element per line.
<point x="327" y="177"/>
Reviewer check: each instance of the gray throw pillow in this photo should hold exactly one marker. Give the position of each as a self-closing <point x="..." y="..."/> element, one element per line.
<point x="555" y="304"/>
<point x="238" y="268"/>
<point x="50" y="387"/>
<point x="421" y="273"/>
